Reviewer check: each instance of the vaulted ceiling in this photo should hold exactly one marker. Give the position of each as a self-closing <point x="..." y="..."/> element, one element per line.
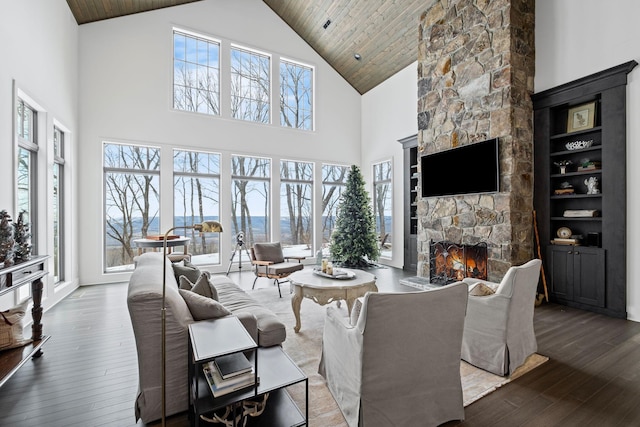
<point x="383" y="34"/>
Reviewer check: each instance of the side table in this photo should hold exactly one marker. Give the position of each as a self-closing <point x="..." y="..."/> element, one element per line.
<point x="213" y="338"/>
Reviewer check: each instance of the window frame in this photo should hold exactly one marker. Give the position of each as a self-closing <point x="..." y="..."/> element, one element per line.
<point x="215" y="176"/>
<point x="311" y="89"/>
<point x="268" y="84"/>
<point x="308" y="183"/>
<point x="198" y="38"/>
<point x="388" y="182"/>
<point x="58" y="210"/>
<point x="137" y="172"/>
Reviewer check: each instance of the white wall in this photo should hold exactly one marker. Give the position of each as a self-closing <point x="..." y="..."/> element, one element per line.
<point x="126" y="95"/>
<point x="575" y="38"/>
<point x="389" y="113"/>
<point x="39" y="52"/>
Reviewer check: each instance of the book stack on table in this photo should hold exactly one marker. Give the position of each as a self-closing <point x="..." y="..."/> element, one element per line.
<point x="226" y="374"/>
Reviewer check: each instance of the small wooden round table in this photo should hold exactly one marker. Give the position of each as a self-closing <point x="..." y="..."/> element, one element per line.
<point x="324" y="290"/>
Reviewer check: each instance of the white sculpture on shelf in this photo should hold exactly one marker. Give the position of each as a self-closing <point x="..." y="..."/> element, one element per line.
<point x="592" y="185"/>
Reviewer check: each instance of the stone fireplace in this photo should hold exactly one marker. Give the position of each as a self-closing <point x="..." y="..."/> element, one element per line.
<point x="475" y="77"/>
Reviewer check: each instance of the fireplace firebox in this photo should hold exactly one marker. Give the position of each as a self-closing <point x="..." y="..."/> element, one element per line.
<point x="450" y="262"/>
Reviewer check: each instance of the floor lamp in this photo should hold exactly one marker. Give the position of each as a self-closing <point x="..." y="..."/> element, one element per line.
<point x="205" y="227"/>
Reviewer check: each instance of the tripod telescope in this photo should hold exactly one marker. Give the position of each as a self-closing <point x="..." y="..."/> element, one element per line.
<point x="238" y="248"/>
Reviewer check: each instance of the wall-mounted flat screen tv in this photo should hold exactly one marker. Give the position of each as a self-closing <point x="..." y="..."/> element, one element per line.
<point x="468" y="169"/>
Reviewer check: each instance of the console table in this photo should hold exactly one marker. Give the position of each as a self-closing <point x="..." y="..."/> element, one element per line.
<point x="11" y="278"/>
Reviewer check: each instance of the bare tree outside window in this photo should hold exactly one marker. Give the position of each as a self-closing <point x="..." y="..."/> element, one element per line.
<point x="250" y="196"/>
<point x="296" y="95"/>
<point x="196" y="74"/>
<point x="334" y="179"/>
<point x="196" y="178"/>
<point x="296" y="207"/>
<point x="382" y="205"/>
<point x="132" y="199"/>
<point x="250" y="85"/>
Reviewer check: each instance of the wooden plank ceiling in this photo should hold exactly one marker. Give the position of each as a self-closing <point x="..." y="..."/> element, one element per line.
<point x="383" y="33"/>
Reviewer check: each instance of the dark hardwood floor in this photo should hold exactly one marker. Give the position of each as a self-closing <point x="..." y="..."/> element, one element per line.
<point x="88" y="373"/>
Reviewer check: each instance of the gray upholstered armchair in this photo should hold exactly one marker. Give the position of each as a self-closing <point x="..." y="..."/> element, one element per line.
<point x="399" y="365"/>
<point x="269" y="261"/>
<point x="498" y="330"/>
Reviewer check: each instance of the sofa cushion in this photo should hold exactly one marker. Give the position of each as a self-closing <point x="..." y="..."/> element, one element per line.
<point x="481" y="290"/>
<point x="284" y="268"/>
<point x="202" y="286"/>
<point x="185" y="268"/>
<point x="268" y="252"/>
<point x="202" y="307"/>
<point x="271" y="331"/>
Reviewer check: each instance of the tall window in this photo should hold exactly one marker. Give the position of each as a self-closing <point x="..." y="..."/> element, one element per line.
<point x="296" y="95"/>
<point x="250" y="85"/>
<point x="334" y="180"/>
<point x="296" y="207"/>
<point x="382" y="205"/>
<point x="27" y="166"/>
<point x="196" y="73"/>
<point x="250" y="196"/>
<point x="58" y="200"/>
<point x="196" y="179"/>
<point x="132" y="200"/>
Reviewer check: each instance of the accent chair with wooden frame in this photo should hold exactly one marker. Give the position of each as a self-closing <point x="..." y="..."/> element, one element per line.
<point x="270" y="262"/>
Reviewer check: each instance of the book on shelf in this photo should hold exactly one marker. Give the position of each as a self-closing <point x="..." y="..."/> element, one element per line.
<point x="219" y="387"/>
<point x="232" y="364"/>
<point x="559" y="241"/>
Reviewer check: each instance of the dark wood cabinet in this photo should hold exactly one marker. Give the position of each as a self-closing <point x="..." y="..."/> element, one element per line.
<point x="577" y="274"/>
<point x="589" y="273"/>
<point x="410" y="147"/>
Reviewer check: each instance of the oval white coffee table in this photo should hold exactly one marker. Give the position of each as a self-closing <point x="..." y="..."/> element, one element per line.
<point x="323" y="290"/>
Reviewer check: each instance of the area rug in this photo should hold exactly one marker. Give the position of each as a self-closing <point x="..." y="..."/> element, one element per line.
<point x="305" y="348"/>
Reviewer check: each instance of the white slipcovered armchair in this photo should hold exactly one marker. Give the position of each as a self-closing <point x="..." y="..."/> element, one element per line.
<point x="399" y="365"/>
<point x="498" y="330"/>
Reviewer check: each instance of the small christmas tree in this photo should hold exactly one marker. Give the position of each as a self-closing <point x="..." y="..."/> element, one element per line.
<point x="354" y="238"/>
<point x="22" y="237"/>
<point x="6" y="240"/>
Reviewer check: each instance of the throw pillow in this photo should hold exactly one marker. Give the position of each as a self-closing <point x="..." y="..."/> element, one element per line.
<point x="185" y="268"/>
<point x="11" y="327"/>
<point x="203" y="286"/>
<point x="481" y="290"/>
<point x="203" y="308"/>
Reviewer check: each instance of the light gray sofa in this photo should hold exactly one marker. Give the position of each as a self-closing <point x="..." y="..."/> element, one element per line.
<point x="144" y="301"/>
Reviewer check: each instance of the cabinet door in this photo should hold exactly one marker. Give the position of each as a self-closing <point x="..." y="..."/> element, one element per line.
<point x="561" y="271"/>
<point x="589" y="276"/>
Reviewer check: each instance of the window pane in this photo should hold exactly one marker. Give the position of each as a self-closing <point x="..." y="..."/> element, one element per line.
<point x="196" y="66"/>
<point x="57" y="208"/>
<point x="24" y="182"/>
<point x="250" y="86"/>
<point x="197" y="199"/>
<point x="296" y="208"/>
<point x="334" y="179"/>
<point x="382" y="205"/>
<point x="296" y="96"/>
<point x="250" y="198"/>
<point x="132" y="200"/>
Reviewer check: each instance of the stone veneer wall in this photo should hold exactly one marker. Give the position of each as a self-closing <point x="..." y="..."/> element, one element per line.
<point x="475" y="76"/>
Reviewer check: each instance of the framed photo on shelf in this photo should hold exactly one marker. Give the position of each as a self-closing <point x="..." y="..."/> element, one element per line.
<point x="581" y="117"/>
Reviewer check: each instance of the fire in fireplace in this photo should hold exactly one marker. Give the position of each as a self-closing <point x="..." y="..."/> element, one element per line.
<point x="450" y="262"/>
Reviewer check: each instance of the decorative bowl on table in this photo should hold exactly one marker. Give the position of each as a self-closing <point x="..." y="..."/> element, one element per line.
<point x="338" y="273"/>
